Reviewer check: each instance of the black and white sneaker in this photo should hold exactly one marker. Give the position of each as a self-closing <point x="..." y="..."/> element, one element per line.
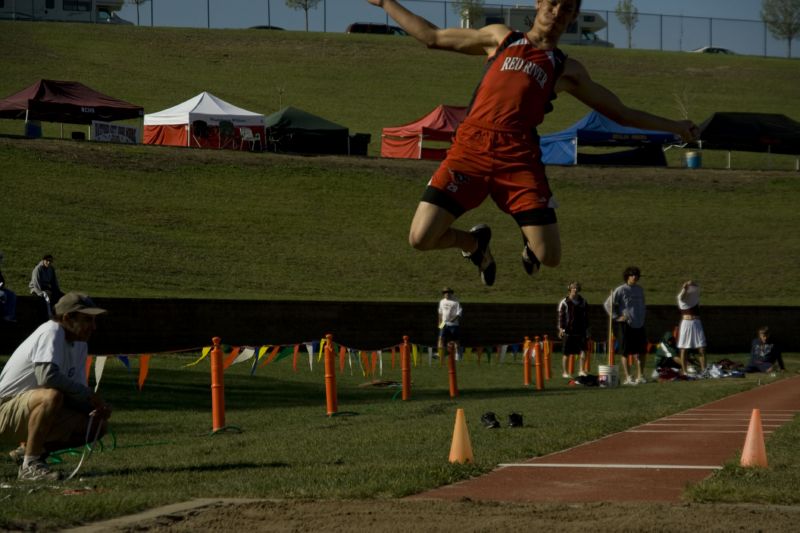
<point x="482" y="257"/>
<point x="530" y="262"/>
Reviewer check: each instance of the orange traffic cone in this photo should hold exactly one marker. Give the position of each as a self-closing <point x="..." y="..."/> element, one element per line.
<point x="461" y="449"/>
<point x="754" y="453"/>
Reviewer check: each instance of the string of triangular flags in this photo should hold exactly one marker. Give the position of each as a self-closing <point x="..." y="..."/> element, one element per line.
<point x="367" y="362"/>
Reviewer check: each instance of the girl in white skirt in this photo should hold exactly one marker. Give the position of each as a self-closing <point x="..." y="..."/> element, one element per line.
<point x="691" y="335"/>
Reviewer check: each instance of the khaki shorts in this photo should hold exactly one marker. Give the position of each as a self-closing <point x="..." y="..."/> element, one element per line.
<point x="14" y="415"/>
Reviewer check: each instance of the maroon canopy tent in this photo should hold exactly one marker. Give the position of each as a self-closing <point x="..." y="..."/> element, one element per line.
<point x="407" y="141"/>
<point x="67" y="102"/>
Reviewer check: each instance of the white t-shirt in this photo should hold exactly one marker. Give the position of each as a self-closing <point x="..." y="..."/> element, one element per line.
<point x="47" y="344"/>
<point x="450" y="311"/>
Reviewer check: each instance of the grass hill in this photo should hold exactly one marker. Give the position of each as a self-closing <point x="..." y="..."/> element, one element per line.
<point x="148" y="221"/>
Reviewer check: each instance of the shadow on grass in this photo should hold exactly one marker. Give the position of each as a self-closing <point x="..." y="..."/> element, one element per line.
<point x="225" y="467"/>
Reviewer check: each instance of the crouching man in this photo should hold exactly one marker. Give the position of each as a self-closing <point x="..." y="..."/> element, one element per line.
<point x="45" y="401"/>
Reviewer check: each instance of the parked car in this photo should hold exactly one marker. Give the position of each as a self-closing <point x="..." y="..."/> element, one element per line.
<point x="714" y="50"/>
<point x="370" y="27"/>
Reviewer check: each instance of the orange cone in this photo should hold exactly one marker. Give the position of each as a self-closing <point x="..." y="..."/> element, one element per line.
<point x="754" y="453"/>
<point x="461" y="449"/>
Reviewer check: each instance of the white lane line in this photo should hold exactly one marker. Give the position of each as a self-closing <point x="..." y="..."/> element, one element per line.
<point x="766" y="432"/>
<point x="611" y="465"/>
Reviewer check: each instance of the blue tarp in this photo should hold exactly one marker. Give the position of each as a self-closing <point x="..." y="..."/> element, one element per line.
<point x="595" y="129"/>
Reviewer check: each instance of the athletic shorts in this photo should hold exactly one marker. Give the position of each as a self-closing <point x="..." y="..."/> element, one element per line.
<point x="449" y="333"/>
<point x="633" y="341"/>
<point x="505" y="165"/>
<point x="574" y="344"/>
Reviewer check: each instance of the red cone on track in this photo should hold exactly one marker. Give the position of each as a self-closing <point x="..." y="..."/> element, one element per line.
<point x="754" y="453"/>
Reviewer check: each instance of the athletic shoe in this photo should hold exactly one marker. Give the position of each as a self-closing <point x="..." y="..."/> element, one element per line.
<point x="530" y="262"/>
<point x="37" y="471"/>
<point x="490" y="421"/>
<point x="482" y="257"/>
<point x="565" y="375"/>
<point x="581" y="374"/>
<point x="629" y="381"/>
<point x="17" y="455"/>
<point x="641" y="381"/>
<point x="515" y="420"/>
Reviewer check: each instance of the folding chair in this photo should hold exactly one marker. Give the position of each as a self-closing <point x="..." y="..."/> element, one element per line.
<point x="247" y="135"/>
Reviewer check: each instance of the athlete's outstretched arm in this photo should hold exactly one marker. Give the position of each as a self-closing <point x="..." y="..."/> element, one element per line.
<point x="577" y="82"/>
<point x="467" y="41"/>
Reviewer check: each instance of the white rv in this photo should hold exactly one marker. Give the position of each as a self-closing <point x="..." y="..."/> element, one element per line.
<point x="102" y="11"/>
<point x="583" y="31"/>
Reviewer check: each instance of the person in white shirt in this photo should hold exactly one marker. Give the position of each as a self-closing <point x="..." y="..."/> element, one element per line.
<point x="449" y="317"/>
<point x="45" y="400"/>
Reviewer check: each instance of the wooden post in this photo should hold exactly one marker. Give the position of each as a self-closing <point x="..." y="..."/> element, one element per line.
<point x="526" y="362"/>
<point x="405" y="367"/>
<point x="451" y="369"/>
<point x="331" y="399"/>
<point x="547" y="359"/>
<point x="217" y="386"/>
<point x="537" y="357"/>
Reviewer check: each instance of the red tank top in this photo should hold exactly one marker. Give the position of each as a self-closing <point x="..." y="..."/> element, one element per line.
<point x="517" y="87"/>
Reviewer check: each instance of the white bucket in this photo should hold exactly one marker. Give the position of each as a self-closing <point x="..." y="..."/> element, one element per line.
<point x="607" y="376"/>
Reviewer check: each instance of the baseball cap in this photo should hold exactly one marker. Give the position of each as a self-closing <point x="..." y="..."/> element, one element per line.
<point x="77" y="302"/>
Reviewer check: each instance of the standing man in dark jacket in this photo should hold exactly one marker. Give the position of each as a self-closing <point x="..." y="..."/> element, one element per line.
<point x="573" y="328"/>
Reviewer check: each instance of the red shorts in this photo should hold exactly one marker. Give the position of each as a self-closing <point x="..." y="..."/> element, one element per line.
<point x="504" y="164"/>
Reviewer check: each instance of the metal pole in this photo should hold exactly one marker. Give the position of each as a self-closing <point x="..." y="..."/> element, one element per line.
<point x="661" y="32"/>
<point x="151" y="12"/>
<point x="269" y="18"/>
<point x="324" y="16"/>
<point x="208" y="14"/>
<point x="710" y="32"/>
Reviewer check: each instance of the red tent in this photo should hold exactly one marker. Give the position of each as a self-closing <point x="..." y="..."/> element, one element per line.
<point x="407" y="141"/>
<point x="68" y="102"/>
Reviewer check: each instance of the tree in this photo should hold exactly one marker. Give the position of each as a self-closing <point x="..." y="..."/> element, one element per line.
<point x="782" y="17"/>
<point x="628" y="15"/>
<point x="305" y="5"/>
<point x="470" y="11"/>
<point x="138" y="3"/>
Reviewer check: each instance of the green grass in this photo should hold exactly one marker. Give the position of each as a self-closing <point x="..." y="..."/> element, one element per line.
<point x="379" y="447"/>
<point x="171" y="222"/>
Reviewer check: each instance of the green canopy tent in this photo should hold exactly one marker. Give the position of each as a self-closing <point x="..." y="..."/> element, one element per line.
<point x="296" y="131"/>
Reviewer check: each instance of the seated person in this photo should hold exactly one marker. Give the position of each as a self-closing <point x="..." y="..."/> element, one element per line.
<point x="765" y="355"/>
<point x="667" y="353"/>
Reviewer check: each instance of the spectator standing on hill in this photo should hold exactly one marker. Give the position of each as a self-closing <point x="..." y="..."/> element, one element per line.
<point x="8" y="298"/>
<point x="44" y="283"/>
<point x="765" y="355"/>
<point x="450" y="312"/>
<point x="626" y="307"/>
<point x="573" y="328"/>
<point x="44" y="397"/>
<point x="691" y="335"/>
<point x="496" y="149"/>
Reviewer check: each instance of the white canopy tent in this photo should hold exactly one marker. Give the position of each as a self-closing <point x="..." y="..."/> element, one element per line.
<point x="197" y="121"/>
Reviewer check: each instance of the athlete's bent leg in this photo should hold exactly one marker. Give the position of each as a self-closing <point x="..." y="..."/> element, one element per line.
<point x="431" y="230"/>
<point x="544" y="242"/>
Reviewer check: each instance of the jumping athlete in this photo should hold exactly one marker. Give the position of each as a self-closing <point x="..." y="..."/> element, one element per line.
<point x="496" y="149"/>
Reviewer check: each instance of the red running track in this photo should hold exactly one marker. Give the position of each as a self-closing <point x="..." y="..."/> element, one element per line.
<point x="652" y="462"/>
